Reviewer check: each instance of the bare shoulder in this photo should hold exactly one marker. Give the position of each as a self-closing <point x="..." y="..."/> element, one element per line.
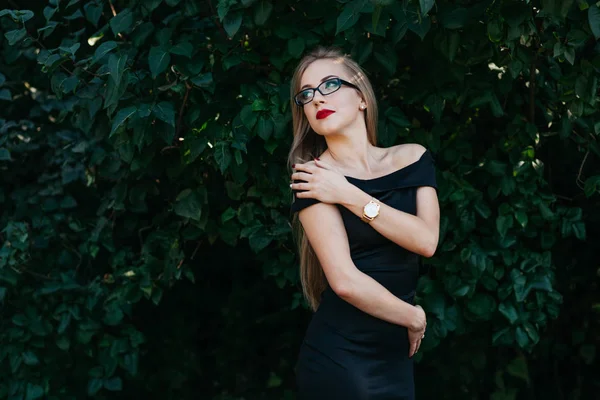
<point x="407" y="153"/>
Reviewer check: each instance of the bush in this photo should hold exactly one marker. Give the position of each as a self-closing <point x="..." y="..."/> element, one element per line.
<point x="143" y="141"/>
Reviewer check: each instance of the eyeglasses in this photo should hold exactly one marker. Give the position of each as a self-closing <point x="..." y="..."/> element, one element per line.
<point x="325" y="88"/>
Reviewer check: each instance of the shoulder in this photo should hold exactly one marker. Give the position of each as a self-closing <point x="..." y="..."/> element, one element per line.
<point x="407" y="153"/>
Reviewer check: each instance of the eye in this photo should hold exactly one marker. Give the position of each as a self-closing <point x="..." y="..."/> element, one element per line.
<point x="306" y="94"/>
<point x="332" y="84"/>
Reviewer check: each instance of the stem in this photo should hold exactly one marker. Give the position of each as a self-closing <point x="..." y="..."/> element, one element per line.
<point x="185" y="99"/>
<point x="532" y="89"/>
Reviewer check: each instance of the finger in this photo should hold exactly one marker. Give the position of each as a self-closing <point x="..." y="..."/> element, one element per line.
<point x="412" y="349"/>
<point x="301" y="176"/>
<point x="305" y="195"/>
<point x="418" y="346"/>
<point x="306" y="167"/>
<point x="300" y="186"/>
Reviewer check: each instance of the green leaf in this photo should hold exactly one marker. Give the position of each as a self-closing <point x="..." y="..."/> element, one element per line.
<point x="579" y="230"/>
<point x="259" y="240"/>
<point x="503" y="224"/>
<point x="375" y="17"/>
<point x="426" y="5"/>
<point x="521" y="217"/>
<point x="29" y="358"/>
<point x="34" y="391"/>
<point x="594" y="20"/>
<point x="5" y="95"/>
<point x="93" y="12"/>
<point x="94" y="385"/>
<point x="182" y="49"/>
<point x="388" y="61"/>
<point x="49" y="12"/>
<point x="76" y="15"/>
<point x="228" y="214"/>
<point x="203" y="80"/>
<point x="296" y="47"/>
<point x="158" y="59"/>
<point x="395" y="115"/>
<point x="265" y="128"/>
<point x="222" y="155"/>
<point x="116" y="66"/>
<point x="121" y="22"/>
<point x="509" y="311"/>
<point x="262" y="11"/>
<point x="518" y="367"/>
<point x="121" y="117"/>
<point x="482" y="305"/>
<point x="349" y="15"/>
<point x="232" y="23"/>
<point x="15" y="36"/>
<point x="570" y="55"/>
<point x="113" y="384"/>
<point x="421" y="28"/>
<point x="188" y="204"/>
<point x="165" y="111"/>
<point x="23" y="15"/>
<point x="102" y="50"/>
<point x="454" y="18"/>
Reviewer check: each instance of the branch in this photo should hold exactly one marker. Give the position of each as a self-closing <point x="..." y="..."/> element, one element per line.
<point x="185" y="99"/>
<point x="578" y="181"/>
<point x="112" y="8"/>
<point x="217" y="22"/>
<point x="196" y="250"/>
<point x="532" y="89"/>
<point x="35" y="274"/>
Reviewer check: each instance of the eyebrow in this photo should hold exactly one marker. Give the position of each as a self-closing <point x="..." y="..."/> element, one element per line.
<point x="324" y="79"/>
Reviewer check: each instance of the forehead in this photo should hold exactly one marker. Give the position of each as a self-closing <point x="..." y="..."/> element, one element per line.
<point x="319" y="69"/>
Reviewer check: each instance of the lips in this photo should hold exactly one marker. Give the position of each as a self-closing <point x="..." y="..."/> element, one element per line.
<point x="324" y="114"/>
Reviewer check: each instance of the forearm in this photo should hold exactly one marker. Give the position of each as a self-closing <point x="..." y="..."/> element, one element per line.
<point x="414" y="234"/>
<point x="368" y="295"/>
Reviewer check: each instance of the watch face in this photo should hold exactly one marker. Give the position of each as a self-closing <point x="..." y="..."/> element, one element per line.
<point x="371" y="210"/>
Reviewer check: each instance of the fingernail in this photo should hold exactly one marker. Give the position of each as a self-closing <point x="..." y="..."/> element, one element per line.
<point x="318" y="159"/>
<point x="293" y="165"/>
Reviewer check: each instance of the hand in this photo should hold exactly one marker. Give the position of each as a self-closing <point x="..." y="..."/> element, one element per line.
<point x="321" y="182"/>
<point x="417" y="332"/>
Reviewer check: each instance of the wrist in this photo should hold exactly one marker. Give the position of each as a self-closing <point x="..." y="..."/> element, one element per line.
<point x="354" y="198"/>
<point x="417" y="321"/>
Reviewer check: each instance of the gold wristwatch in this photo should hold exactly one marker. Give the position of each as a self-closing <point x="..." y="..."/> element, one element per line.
<point x="370" y="211"/>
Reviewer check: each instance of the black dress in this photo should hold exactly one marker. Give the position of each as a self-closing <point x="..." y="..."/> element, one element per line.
<point x="346" y="353"/>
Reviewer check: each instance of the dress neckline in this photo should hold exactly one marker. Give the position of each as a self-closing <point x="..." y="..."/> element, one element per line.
<point x="390" y="174"/>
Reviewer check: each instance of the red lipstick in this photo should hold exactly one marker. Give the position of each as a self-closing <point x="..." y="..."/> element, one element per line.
<point x="324" y="114"/>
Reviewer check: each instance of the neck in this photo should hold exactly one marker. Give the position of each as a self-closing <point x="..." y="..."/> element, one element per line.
<point x="352" y="150"/>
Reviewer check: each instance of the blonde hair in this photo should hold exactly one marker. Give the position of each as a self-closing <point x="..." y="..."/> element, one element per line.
<point x="308" y="144"/>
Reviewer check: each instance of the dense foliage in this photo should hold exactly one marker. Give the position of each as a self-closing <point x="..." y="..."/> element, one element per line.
<point x="146" y="248"/>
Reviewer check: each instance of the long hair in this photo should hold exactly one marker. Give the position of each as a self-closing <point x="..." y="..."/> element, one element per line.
<point x="308" y="144"/>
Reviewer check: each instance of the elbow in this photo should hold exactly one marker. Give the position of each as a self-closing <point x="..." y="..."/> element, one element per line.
<point x="344" y="288"/>
<point x="428" y="252"/>
<point x="429" y="248"/>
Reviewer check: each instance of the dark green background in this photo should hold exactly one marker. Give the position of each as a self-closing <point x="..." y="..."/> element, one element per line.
<point x="144" y="200"/>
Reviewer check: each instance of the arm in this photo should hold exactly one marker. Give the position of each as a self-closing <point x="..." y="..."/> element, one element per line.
<point x="419" y="233"/>
<point x="326" y="233"/>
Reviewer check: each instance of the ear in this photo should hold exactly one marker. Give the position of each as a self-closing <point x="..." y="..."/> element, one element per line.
<point x="363" y="104"/>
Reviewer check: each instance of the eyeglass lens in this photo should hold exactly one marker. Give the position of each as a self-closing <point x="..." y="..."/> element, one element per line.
<point x="327" y="87"/>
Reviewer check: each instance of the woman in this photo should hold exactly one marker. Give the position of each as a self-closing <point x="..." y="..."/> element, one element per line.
<point x="367" y="214"/>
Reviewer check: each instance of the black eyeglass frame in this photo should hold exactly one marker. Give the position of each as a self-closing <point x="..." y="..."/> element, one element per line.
<point x="343" y="82"/>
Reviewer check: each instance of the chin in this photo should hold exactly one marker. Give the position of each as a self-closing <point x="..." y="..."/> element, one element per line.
<point x="326" y="129"/>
